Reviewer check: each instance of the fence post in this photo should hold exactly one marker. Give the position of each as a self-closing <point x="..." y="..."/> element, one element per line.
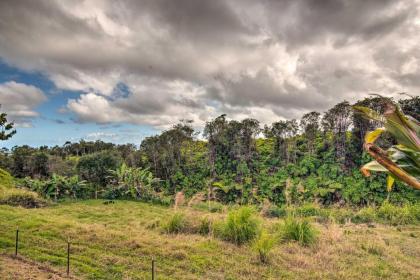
<point x="68" y="256"/>
<point x="153" y="268"/>
<point x="17" y="241"/>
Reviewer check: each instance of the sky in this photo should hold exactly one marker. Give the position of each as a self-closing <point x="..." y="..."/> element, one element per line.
<point x="120" y="71"/>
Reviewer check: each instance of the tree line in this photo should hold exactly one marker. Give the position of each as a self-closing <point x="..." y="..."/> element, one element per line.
<point x="316" y="158"/>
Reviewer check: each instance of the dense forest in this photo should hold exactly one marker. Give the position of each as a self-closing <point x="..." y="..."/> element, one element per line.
<point x="314" y="159"/>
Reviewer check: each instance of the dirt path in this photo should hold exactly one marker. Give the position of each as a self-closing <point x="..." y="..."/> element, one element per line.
<point x="22" y="269"/>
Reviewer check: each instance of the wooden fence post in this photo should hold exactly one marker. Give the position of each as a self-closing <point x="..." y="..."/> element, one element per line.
<point x="68" y="257"/>
<point x="153" y="268"/>
<point x="17" y="241"/>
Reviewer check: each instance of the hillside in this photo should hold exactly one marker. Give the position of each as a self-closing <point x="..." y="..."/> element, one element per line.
<point x="118" y="241"/>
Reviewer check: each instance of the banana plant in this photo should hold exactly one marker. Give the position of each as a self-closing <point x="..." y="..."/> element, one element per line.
<point x="134" y="182"/>
<point x="401" y="161"/>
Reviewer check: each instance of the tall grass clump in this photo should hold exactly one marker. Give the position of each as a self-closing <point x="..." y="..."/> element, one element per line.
<point x="275" y="211"/>
<point x="307" y="210"/>
<point x="212" y="207"/>
<point x="241" y="226"/>
<point x="204" y="228"/>
<point x="263" y="246"/>
<point x="396" y="215"/>
<point x="415" y="211"/>
<point x="365" y="215"/>
<point x="177" y="223"/>
<point x="298" y="230"/>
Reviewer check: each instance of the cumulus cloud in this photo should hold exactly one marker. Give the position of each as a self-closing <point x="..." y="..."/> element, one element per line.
<point x="19" y="101"/>
<point x="196" y="59"/>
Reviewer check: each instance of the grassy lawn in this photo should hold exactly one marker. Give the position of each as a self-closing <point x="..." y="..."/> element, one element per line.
<point x="118" y="241"/>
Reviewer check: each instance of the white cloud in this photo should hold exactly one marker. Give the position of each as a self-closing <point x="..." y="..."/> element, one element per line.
<point x="19" y="102"/>
<point x="193" y="59"/>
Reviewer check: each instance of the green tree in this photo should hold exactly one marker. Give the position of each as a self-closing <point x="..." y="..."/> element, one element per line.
<point x="96" y="168"/>
<point x="6" y="128"/>
<point x="310" y="125"/>
<point x="338" y="120"/>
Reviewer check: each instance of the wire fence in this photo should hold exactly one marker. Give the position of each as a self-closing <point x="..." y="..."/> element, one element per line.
<point x="68" y="245"/>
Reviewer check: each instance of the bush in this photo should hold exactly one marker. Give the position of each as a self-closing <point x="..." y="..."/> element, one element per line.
<point x="23" y="198"/>
<point x="276" y="211"/>
<point x="365" y="215"/>
<point x="175" y="224"/>
<point x="298" y="230"/>
<point x="307" y="210"/>
<point x="341" y="215"/>
<point x="396" y="215"/>
<point x="263" y="245"/>
<point x="415" y="211"/>
<point x="161" y="200"/>
<point x="241" y="226"/>
<point x="204" y="227"/>
<point x="213" y="207"/>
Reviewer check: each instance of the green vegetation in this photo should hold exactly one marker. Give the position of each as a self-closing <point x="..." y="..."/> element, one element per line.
<point x="205" y="227"/>
<point x="241" y="226"/>
<point x="6" y="128"/>
<point x="17" y="197"/>
<point x="24" y="198"/>
<point x="118" y="241"/>
<point x="299" y="184"/>
<point x="263" y="245"/>
<point x="312" y="160"/>
<point x="401" y="161"/>
<point x="175" y="224"/>
<point x="298" y="230"/>
<point x="6" y="179"/>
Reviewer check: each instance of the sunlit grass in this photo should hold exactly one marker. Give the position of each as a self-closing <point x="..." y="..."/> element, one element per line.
<point x="118" y="241"/>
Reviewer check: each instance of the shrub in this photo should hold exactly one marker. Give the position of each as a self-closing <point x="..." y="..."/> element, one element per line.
<point x="298" y="230"/>
<point x="365" y="215"/>
<point x="276" y="211"/>
<point x="23" y="198"/>
<point x="218" y="228"/>
<point x="175" y="224"/>
<point x="213" y="207"/>
<point x="263" y="245"/>
<point x="415" y="211"/>
<point x="161" y="200"/>
<point x="241" y="226"/>
<point x="341" y="215"/>
<point x="204" y="227"/>
<point x="307" y="210"/>
<point x="395" y="215"/>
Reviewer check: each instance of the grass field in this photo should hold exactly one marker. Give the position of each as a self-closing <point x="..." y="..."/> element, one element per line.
<point x="118" y="241"/>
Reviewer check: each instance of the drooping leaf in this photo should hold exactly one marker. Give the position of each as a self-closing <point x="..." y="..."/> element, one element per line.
<point x="389" y="182"/>
<point x="372" y="136"/>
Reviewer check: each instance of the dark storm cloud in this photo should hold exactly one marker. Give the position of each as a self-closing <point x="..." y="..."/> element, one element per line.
<point x="304" y="21"/>
<point x="209" y="21"/>
<point x="197" y="59"/>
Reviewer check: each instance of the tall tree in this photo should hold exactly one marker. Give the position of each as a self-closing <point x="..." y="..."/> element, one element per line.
<point x="6" y="128"/>
<point x="411" y="107"/>
<point x="279" y="132"/>
<point x="214" y="132"/>
<point x="338" y="121"/>
<point x="310" y="126"/>
<point x="164" y="152"/>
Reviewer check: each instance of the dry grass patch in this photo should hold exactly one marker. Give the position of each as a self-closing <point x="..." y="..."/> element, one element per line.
<point x="12" y="268"/>
<point x="118" y="242"/>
